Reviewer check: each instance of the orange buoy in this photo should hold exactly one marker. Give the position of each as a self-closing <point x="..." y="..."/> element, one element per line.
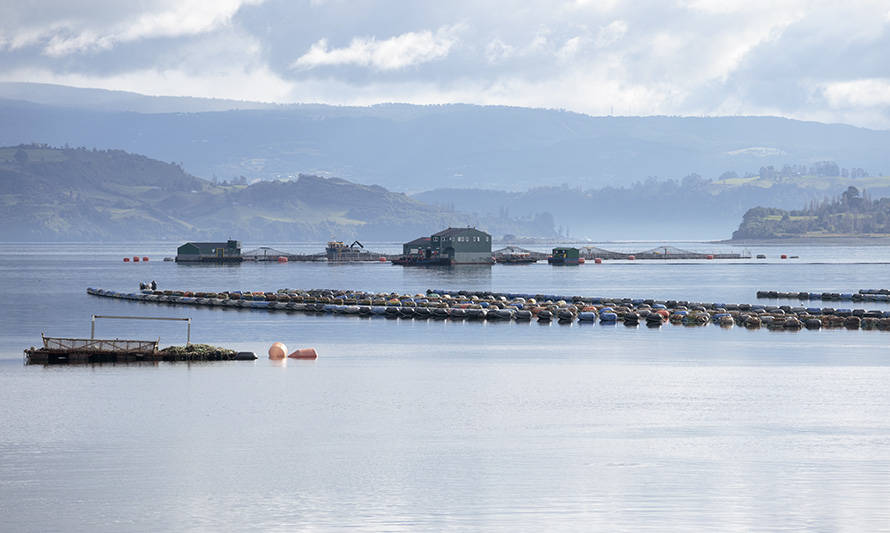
<point x="282" y="259"/>
<point x="304" y="353"/>
<point x="598" y="260"/>
<point x="709" y="256"/>
<point x="135" y="258"/>
<point x="277" y="351"/>
<point x="631" y="257"/>
<point x="382" y="259"/>
<point x="580" y="260"/>
<point x="145" y="259"/>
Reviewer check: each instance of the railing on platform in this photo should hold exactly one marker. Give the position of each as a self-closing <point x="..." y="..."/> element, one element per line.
<point x="99" y="345"/>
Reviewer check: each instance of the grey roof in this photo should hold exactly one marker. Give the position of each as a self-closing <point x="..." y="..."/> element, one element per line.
<point x="450" y="232"/>
<point x="209" y="246"/>
<point x="420" y="240"/>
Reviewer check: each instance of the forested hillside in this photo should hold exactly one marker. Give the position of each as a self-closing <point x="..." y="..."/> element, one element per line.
<point x="79" y="194"/>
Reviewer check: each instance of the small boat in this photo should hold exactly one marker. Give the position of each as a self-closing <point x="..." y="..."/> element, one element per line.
<point x="564" y="256"/>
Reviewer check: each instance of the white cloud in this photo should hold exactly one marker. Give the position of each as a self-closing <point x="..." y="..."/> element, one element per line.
<point x="168" y="18"/>
<point x="23" y="37"/>
<point x="82" y="42"/>
<point x="407" y="49"/>
<point x="540" y="40"/>
<point x="729" y="7"/>
<point x="569" y="49"/>
<point x="811" y="59"/>
<point x="497" y="50"/>
<point x="610" y="34"/>
<point x="858" y="93"/>
<point x="236" y="83"/>
<point x="596" y="5"/>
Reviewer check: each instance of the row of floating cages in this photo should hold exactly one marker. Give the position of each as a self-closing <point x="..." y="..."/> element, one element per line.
<point x="136" y="259"/>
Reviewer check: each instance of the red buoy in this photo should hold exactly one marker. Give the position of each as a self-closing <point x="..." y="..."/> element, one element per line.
<point x="709" y="256"/>
<point x="282" y="259"/>
<point x="631" y="257"/>
<point x="304" y="353"/>
<point x="783" y="256"/>
<point x="145" y="258"/>
<point x="580" y="260"/>
<point x="135" y="258"/>
<point x="126" y="259"/>
<point x="598" y="260"/>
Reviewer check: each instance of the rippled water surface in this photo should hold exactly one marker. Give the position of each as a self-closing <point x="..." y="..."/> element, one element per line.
<point x="438" y="425"/>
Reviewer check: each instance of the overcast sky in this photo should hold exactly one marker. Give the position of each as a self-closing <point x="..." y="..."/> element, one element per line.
<point x="817" y="60"/>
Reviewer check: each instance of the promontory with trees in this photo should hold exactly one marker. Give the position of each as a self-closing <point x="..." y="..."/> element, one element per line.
<point x="852" y="214"/>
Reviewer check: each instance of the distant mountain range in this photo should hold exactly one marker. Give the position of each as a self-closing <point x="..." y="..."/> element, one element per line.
<point x="104" y="100"/>
<point x="417" y="148"/>
<point x="55" y="194"/>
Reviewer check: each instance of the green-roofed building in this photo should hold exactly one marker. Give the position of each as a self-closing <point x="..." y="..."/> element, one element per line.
<point x="454" y="246"/>
<point x="464" y="246"/>
<point x="209" y="252"/>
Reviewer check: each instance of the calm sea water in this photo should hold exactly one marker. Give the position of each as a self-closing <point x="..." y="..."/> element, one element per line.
<point x="430" y="425"/>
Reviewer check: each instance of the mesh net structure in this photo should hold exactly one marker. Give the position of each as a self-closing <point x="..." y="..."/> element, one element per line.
<point x="264" y="251"/>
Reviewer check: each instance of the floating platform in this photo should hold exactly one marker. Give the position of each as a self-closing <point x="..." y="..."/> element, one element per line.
<point x="593" y="253"/>
<point x="266" y="254"/>
<point x="339" y="252"/>
<point x="521" y="307"/>
<point x="409" y="260"/>
<point x="659" y="252"/>
<point x="511" y="255"/>
<point x="336" y="252"/>
<point x="60" y="350"/>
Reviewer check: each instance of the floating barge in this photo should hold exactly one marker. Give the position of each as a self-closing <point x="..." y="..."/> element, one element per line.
<point x="73" y="351"/>
<point x="339" y="251"/>
<point x="66" y="350"/>
<point x="59" y="350"/>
